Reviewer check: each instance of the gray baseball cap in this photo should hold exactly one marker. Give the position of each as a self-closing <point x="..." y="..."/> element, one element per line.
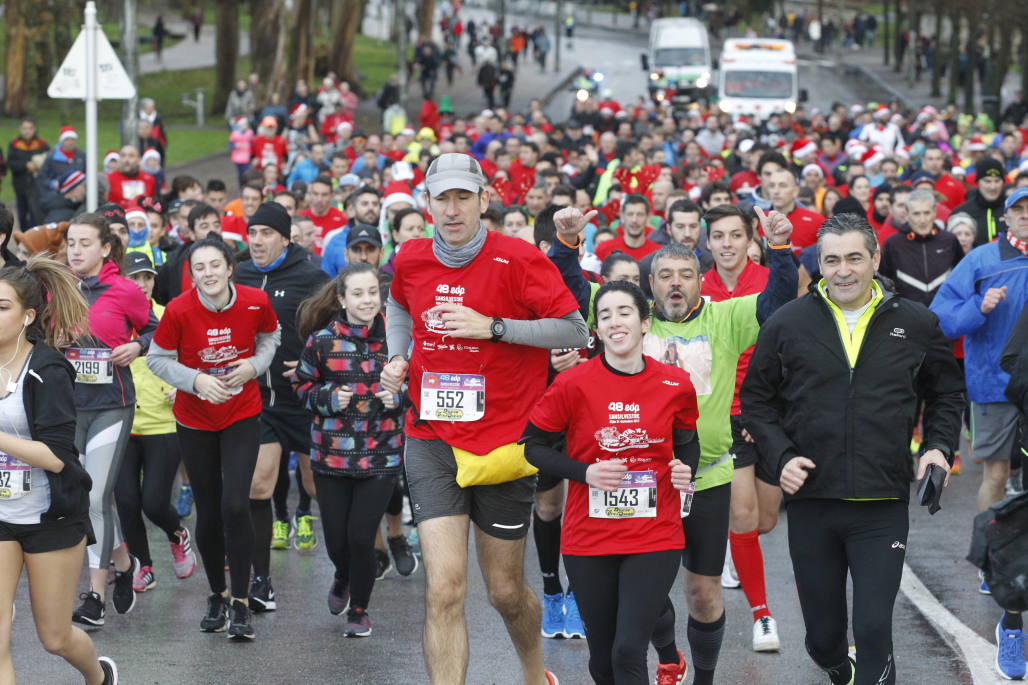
<point x="454" y="170"/>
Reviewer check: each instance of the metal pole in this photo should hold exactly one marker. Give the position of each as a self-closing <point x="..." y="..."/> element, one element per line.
<point x="130" y="60"/>
<point x="91" y="129"/>
<point x="400" y="17"/>
<point x="556" y="34"/>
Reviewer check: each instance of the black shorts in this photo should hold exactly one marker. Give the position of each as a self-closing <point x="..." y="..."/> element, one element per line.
<point x="745" y="453"/>
<point x="706" y="531"/>
<point x="502" y="511"/>
<point x="546" y="481"/>
<point x="48" y="536"/>
<point x="288" y="426"/>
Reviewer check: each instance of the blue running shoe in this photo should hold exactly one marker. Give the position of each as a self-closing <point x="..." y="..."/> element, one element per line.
<point x="184" y="505"/>
<point x="1010" y="652"/>
<point x="553" y="616"/>
<point x="984" y="587"/>
<point x="572" y="620"/>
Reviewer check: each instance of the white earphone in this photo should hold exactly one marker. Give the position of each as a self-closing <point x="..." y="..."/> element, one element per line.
<point x="26" y="321"/>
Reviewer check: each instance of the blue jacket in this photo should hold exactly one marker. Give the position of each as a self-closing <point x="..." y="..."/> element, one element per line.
<point x="333" y="254"/>
<point x="305" y="170"/>
<point x="958" y="306"/>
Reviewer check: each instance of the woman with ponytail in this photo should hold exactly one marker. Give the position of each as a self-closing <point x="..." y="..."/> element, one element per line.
<point x="121" y="327"/>
<point x="356" y="435"/>
<point x="44" y="491"/>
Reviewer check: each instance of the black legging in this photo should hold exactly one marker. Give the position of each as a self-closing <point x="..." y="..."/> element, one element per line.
<point x="395" y="505"/>
<point x="220" y="466"/>
<point x="827" y="538"/>
<point x="620" y="597"/>
<point x="154" y="458"/>
<point x="281" y="493"/>
<point x="351" y="511"/>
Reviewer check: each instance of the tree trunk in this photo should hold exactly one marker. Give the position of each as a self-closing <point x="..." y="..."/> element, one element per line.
<point x="129" y="25"/>
<point x="996" y="69"/>
<point x="885" y="33"/>
<point x="972" y="61"/>
<point x="426" y="12"/>
<point x="226" y="51"/>
<point x="344" y="30"/>
<point x="936" y="56"/>
<point x="900" y="48"/>
<point x="301" y="45"/>
<point x="267" y="45"/>
<point x="1023" y="61"/>
<point x="15" y="103"/>
<point x="954" y="55"/>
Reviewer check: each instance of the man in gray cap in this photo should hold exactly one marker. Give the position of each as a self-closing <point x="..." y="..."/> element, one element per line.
<point x="483" y="310"/>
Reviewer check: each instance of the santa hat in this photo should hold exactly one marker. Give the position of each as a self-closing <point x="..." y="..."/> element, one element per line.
<point x="896" y="118"/>
<point x="343" y="124"/>
<point x="137" y="213"/>
<point x="396" y="192"/>
<point x="801" y="147"/>
<point x="976" y="144"/>
<point x="111" y="156"/>
<point x="815" y="168"/>
<point x="883" y="112"/>
<point x="871" y="157"/>
<point x="958" y="171"/>
<point x="745" y="145"/>
<point x="695" y="193"/>
<point x="297" y="110"/>
<point x="402" y="171"/>
<point x="854" y="149"/>
<point x="408" y="131"/>
<point x="151" y="153"/>
<point x="902" y="152"/>
<point x="67" y="132"/>
<point x="856" y="108"/>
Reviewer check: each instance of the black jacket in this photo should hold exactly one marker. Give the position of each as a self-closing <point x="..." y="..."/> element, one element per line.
<point x="168" y="284"/>
<point x="918" y="265"/>
<point x="19" y="153"/>
<point x="48" y="393"/>
<point x="800" y="397"/>
<point x="56" y="207"/>
<point x="1014" y="361"/>
<point x="988" y="216"/>
<point x="287" y="286"/>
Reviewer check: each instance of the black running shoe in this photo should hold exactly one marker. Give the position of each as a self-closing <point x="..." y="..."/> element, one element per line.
<point x="262" y="595"/>
<point x="110" y="670"/>
<point x="240" y="626"/>
<point x="124" y="595"/>
<point x="216" y="618"/>
<point x="383" y="565"/>
<point x="91" y="611"/>
<point x="404" y="559"/>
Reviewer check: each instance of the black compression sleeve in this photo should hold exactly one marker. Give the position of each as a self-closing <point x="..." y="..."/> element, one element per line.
<point x="686" y="448"/>
<point x="541" y="453"/>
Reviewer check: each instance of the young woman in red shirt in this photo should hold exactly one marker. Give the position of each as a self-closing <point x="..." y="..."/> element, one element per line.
<point x="211" y="344"/>
<point x="629" y="422"/>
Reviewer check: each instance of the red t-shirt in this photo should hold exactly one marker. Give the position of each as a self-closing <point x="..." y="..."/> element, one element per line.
<point x="604" y="249"/>
<point x="752" y="280"/>
<point x="804" y="227"/>
<point x="605" y="415"/>
<point x="508" y="278"/>
<point x="206" y="340"/>
<point x="127" y="190"/>
<point x="331" y="220"/>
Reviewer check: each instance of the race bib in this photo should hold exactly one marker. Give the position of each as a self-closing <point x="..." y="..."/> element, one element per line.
<point x="452" y="397"/>
<point x="15" y="478"/>
<point x="635" y="498"/>
<point x="220" y="372"/>
<point x="93" y="365"/>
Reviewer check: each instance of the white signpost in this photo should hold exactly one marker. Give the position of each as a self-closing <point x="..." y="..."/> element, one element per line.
<point x="92" y="72"/>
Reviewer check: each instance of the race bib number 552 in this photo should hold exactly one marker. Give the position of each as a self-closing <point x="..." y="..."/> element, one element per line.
<point x="452" y="397"/>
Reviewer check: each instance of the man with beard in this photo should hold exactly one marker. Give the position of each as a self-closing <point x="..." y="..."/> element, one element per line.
<point x="129" y="182"/>
<point x="683" y="227"/>
<point x="363" y="207"/>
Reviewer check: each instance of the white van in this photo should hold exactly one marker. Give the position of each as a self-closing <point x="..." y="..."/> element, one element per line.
<point x="678" y="61"/>
<point x="758" y="78"/>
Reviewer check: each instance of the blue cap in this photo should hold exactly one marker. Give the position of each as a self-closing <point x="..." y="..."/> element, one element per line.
<point x="921" y="176"/>
<point x="1015" y="197"/>
<point x="349" y="180"/>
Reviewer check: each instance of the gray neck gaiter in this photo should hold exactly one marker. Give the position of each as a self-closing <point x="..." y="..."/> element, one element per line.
<point x="457" y="257"/>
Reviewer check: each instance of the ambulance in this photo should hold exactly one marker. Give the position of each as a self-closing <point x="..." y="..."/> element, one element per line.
<point x="678" y="61"/>
<point x="758" y="78"/>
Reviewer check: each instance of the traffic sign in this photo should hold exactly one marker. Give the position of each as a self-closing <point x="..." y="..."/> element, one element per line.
<point x="112" y="82"/>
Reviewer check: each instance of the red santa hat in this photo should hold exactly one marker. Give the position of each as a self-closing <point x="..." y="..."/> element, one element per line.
<point x="871" y="157"/>
<point x="151" y="153"/>
<point x="66" y="132"/>
<point x="883" y="112"/>
<point x="298" y="110"/>
<point x="801" y="147"/>
<point x="902" y="152"/>
<point x="343" y="124"/>
<point x="111" y="156"/>
<point x="855" y="149"/>
<point x="976" y="144"/>
<point x="815" y="168"/>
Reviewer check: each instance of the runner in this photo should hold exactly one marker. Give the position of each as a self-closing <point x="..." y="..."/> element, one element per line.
<point x="44" y="506"/>
<point x="212" y="343"/>
<point x="621" y="522"/>
<point x="830" y="400"/>
<point x="281" y="270"/>
<point x="484" y="371"/>
<point x="356" y="435"/>
<point x="121" y="326"/>
<point x="151" y="459"/>
<point x="755" y="494"/>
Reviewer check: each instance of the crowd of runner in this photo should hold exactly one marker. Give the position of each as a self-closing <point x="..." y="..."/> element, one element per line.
<point x="566" y="345"/>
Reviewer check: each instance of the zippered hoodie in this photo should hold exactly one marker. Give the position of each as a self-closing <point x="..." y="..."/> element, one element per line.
<point x="287" y="285"/>
<point x="803" y="396"/>
<point x="919" y="264"/>
<point x="364" y="439"/>
<point x="117" y="308"/>
<point x="48" y="385"/>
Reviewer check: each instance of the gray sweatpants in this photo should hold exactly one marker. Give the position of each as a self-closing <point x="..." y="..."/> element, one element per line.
<point x="100" y="438"/>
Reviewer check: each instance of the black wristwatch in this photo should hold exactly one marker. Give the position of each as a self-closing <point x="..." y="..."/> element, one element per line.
<point x="498" y="329"/>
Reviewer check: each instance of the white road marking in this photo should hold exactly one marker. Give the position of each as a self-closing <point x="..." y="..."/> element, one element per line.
<point x="979" y="654"/>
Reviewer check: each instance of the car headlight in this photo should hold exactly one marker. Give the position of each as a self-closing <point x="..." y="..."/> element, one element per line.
<point x="582" y="95"/>
<point x="654" y="76"/>
<point x="790" y="107"/>
<point x="598" y="76"/>
<point x="702" y="82"/>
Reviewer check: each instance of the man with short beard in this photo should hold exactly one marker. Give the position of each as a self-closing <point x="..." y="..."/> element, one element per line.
<point x="129" y="184"/>
<point x="363" y="208"/>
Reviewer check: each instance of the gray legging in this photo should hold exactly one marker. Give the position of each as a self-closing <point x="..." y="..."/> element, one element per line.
<point x="100" y="438"/>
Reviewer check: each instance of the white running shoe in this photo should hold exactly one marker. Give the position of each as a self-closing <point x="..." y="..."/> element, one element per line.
<point x="729" y="578"/>
<point x="765" y="635"/>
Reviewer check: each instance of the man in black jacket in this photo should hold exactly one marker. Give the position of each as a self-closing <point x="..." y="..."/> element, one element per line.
<point x="23" y="156"/>
<point x="283" y="271"/>
<point x="985" y="203"/>
<point x="830" y="402"/>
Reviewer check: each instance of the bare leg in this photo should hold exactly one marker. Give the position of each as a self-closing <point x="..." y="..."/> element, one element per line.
<point x="444" y="551"/>
<point x="11" y="561"/>
<point x="994" y="483"/>
<point x="503" y="564"/>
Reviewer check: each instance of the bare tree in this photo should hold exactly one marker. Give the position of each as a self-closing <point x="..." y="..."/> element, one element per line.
<point x="267" y="44"/>
<point x="15" y="100"/>
<point x="226" y="51"/>
<point x="344" y="30"/>
<point x="301" y="44"/>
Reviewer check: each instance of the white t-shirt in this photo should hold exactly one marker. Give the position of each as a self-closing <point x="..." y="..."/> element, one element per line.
<point x="852" y="316"/>
<point x="13" y="421"/>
